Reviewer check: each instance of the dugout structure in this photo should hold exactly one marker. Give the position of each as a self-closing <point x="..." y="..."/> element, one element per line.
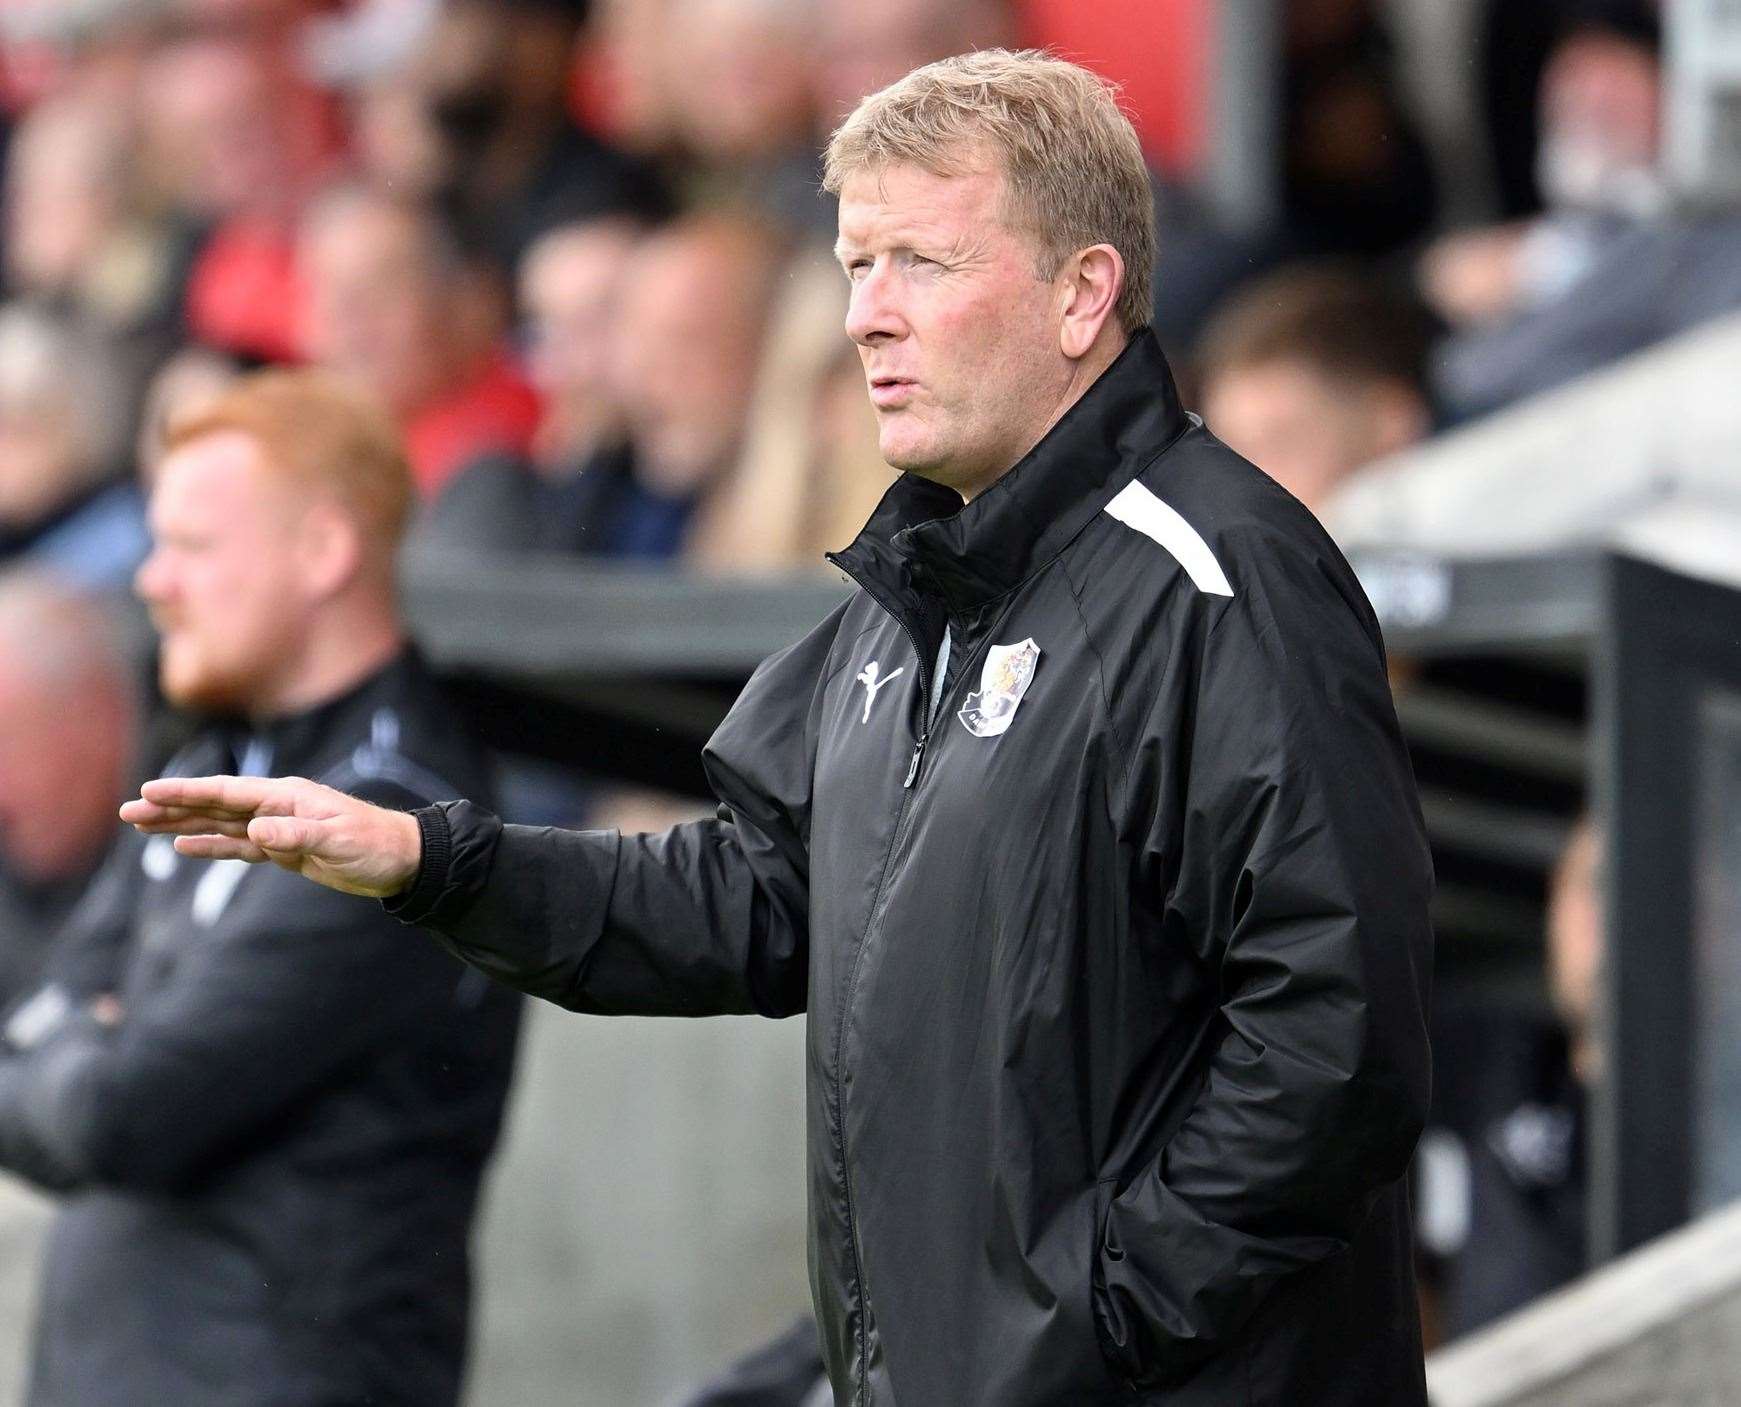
<point x="1529" y="687"/>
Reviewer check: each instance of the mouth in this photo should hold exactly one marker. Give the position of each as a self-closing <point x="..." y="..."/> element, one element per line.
<point x="887" y="392"/>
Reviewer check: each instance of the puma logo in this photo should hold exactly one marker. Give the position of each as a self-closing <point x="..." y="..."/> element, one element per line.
<point x="868" y="677"/>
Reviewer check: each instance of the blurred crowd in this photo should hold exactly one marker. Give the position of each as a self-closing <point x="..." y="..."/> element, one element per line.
<point x="580" y="251"/>
<point x="580" y="254"/>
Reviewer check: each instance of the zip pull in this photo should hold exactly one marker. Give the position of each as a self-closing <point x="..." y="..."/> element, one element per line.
<point x="918" y="756"/>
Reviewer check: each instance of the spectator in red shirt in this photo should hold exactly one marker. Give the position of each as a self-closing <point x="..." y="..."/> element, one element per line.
<point x="648" y="346"/>
<point x="237" y="141"/>
<point x="396" y="303"/>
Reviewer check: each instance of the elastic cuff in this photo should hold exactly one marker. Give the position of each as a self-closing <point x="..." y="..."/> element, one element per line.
<point x="415" y="904"/>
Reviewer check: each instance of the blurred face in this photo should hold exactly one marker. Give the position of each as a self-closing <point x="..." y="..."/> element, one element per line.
<point x="742" y="78"/>
<point x="685" y="355"/>
<point x="396" y="141"/>
<point x="48" y="829"/>
<point x="224" y="582"/>
<point x="862" y="48"/>
<point x="1601" y="125"/>
<point x="375" y="312"/>
<point x="210" y="110"/>
<point x="60" y="198"/>
<point x="958" y="335"/>
<point x="570" y="292"/>
<point x="1309" y="431"/>
<point x="1575" y="930"/>
<point x="39" y="463"/>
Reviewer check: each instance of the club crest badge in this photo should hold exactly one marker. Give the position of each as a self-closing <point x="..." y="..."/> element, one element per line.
<point x="1009" y="669"/>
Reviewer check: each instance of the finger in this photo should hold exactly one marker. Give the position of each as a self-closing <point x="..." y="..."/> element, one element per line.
<point x="283" y="834"/>
<point x="235" y="796"/>
<point x="180" y="822"/>
<point x="218" y="847"/>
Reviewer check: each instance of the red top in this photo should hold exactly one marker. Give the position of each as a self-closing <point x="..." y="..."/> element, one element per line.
<point x="1159" y="52"/>
<point x="496" y="411"/>
<point x="244" y="295"/>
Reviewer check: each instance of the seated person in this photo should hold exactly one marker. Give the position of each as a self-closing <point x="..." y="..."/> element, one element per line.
<point x="646" y="427"/>
<point x="65" y="505"/>
<point x="271" y="1126"/>
<point x="1612" y="266"/>
<point x="1314" y="372"/>
<point x="68" y="724"/>
<point x="397" y="304"/>
<point x="1501" y="1178"/>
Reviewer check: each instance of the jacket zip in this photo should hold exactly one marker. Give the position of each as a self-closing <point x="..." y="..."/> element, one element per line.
<point x="918" y="755"/>
<point x="872" y="925"/>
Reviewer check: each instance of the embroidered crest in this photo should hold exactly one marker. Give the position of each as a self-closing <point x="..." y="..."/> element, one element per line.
<point x="1009" y="669"/>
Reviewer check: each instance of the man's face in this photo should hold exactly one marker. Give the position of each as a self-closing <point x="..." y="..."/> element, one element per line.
<point x="40" y="465"/>
<point x="683" y="361"/>
<point x="1601" y="102"/>
<point x="43" y="836"/>
<point x="222" y="580"/>
<point x="375" y="313"/>
<point x="61" y="198"/>
<point x="1309" y="431"/>
<point x="569" y="290"/>
<point x="214" y="121"/>
<point x="958" y="334"/>
<point x="1574" y="929"/>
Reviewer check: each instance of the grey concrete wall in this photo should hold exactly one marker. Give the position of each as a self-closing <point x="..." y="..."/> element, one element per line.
<point x="646" y="1221"/>
<point x="23" y="1220"/>
<point x="1658" y="1328"/>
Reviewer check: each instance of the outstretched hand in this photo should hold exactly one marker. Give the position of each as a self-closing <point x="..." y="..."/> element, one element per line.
<point x="312" y="830"/>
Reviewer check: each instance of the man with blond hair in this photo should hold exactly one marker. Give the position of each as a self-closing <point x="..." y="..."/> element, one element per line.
<point x="271" y="1129"/>
<point x="1082" y="832"/>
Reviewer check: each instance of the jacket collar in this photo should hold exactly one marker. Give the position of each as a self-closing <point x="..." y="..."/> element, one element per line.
<point x="294" y="740"/>
<point x="921" y="540"/>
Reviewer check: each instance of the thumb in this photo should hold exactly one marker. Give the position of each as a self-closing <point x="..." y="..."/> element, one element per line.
<point x="282" y="833"/>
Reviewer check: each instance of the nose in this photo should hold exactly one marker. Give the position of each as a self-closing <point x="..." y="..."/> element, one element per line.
<point x="148" y="581"/>
<point x="873" y="313"/>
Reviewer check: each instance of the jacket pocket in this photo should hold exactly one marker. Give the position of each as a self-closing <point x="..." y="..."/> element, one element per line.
<point x="1105" y="1190"/>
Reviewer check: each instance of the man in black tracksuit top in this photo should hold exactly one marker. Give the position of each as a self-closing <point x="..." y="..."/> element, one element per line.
<point x="1084" y="835"/>
<point x="1115" y="1019"/>
<point x="272" y="1125"/>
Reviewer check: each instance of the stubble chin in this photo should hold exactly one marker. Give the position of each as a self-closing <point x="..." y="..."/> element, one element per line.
<point x="196" y="687"/>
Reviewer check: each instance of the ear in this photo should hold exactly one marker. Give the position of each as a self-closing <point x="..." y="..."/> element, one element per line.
<point x="331" y="549"/>
<point x="1089" y="285"/>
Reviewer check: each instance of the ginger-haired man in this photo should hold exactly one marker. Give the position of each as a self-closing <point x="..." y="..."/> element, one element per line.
<point x="271" y="1136"/>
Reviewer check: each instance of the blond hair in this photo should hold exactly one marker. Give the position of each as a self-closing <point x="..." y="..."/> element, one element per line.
<point x="1074" y="169"/>
<point x="320" y="433"/>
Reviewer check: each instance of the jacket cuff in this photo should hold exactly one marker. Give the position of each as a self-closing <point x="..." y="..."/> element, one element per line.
<point x="411" y="905"/>
<point x="459" y="841"/>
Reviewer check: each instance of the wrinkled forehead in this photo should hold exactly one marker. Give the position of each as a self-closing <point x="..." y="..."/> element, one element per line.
<point x="896" y="195"/>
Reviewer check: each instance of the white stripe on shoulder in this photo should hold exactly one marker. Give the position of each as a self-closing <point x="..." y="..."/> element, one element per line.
<point x="1137" y="508"/>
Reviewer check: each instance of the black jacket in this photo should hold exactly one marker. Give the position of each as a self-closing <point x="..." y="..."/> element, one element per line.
<point x="274" y="1160"/>
<point x="1117" y="1047"/>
